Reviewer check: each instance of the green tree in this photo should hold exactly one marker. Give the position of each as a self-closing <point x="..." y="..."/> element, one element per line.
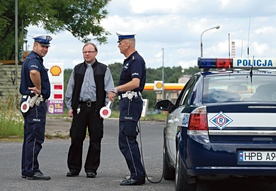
<point x="154" y="75"/>
<point x="66" y="76"/>
<point x="115" y="69"/>
<point x="191" y="70"/>
<point x="81" y="18"/>
<point x="171" y="75"/>
<point x="151" y="96"/>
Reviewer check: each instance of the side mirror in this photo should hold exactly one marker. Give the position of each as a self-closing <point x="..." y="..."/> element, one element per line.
<point x="164" y="105"/>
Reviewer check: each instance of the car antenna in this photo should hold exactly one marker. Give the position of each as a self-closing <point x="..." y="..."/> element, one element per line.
<point x="229" y="45"/>
<point x="251" y="71"/>
<point x="248" y="36"/>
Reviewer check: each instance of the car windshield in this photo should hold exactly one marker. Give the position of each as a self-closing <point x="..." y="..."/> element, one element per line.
<point x="239" y="88"/>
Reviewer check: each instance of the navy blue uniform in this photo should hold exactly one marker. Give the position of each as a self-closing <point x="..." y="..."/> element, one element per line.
<point x="130" y="112"/>
<point x="35" y="117"/>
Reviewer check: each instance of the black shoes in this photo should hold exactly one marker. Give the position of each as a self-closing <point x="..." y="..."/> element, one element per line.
<point x="132" y="182"/>
<point x="88" y="174"/>
<point x="38" y="176"/>
<point x="91" y="175"/>
<point x="72" y="174"/>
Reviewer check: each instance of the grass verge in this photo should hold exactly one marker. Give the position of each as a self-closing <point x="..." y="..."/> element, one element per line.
<point x="11" y="121"/>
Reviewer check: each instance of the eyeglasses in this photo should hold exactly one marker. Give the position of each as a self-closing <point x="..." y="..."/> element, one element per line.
<point x="89" y="52"/>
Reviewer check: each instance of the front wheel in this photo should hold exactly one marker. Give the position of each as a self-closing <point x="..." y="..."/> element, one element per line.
<point x="182" y="181"/>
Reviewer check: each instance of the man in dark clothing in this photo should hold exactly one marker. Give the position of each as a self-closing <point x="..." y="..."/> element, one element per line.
<point x="86" y="94"/>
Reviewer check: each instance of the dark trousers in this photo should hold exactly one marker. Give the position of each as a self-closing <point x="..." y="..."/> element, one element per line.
<point x="130" y="112"/>
<point x="88" y="117"/>
<point x="34" y="134"/>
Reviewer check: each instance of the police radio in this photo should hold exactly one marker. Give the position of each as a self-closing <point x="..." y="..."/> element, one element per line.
<point x="105" y="112"/>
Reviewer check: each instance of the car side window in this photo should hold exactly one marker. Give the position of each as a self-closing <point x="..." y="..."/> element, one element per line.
<point x="191" y="94"/>
<point x="180" y="97"/>
<point x="187" y="91"/>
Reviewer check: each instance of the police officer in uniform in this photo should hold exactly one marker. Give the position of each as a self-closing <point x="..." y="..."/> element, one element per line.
<point x="129" y="89"/>
<point x="86" y="94"/>
<point x="34" y="81"/>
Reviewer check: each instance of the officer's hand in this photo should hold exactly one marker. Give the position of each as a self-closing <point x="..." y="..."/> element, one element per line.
<point x="111" y="96"/>
<point x="35" y="90"/>
<point x="70" y="113"/>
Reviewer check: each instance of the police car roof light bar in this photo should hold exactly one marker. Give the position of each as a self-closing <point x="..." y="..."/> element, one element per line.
<point x="215" y="63"/>
<point x="244" y="63"/>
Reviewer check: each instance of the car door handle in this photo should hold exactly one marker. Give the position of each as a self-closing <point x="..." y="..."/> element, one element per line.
<point x="170" y="121"/>
<point x="176" y="120"/>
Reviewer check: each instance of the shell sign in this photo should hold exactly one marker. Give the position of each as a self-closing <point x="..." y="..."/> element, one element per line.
<point x="158" y="85"/>
<point x="55" y="70"/>
<point x="55" y="101"/>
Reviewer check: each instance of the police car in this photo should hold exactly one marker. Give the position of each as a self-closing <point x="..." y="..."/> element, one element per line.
<point x="223" y="122"/>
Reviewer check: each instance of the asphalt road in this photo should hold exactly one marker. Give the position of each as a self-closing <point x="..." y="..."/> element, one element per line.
<point x="112" y="168"/>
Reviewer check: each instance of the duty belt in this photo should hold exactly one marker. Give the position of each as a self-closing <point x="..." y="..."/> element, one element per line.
<point x="88" y="103"/>
<point x="130" y="95"/>
<point x="31" y="101"/>
<point x="42" y="99"/>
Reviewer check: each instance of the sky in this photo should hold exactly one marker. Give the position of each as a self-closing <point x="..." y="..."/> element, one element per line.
<point x="170" y="33"/>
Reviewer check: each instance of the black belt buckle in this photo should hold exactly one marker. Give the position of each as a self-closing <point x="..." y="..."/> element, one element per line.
<point x="88" y="103"/>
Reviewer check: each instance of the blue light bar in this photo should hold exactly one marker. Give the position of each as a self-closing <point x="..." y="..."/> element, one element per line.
<point x="244" y="63"/>
<point x="215" y="63"/>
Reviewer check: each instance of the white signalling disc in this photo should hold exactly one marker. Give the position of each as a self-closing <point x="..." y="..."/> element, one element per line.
<point x="24" y="107"/>
<point x="105" y="112"/>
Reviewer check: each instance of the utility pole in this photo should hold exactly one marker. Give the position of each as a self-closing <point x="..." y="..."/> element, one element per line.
<point x="16" y="53"/>
<point x="163" y="87"/>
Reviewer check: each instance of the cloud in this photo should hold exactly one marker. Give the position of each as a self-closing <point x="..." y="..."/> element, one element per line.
<point x="153" y="7"/>
<point x="176" y="27"/>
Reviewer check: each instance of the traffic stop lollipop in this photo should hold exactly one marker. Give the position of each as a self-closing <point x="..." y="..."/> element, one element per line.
<point x="25" y="106"/>
<point x="105" y="112"/>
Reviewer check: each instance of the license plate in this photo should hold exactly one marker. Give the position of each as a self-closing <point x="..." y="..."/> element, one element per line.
<point x="257" y="156"/>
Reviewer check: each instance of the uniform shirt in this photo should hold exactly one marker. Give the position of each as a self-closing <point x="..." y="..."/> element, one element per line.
<point x="134" y="67"/>
<point x="88" y="89"/>
<point x="34" y="62"/>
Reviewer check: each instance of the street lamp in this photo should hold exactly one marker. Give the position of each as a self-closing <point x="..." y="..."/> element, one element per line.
<point x="201" y="45"/>
<point x="163" y="93"/>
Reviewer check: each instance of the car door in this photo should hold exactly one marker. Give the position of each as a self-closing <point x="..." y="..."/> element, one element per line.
<point x="175" y="119"/>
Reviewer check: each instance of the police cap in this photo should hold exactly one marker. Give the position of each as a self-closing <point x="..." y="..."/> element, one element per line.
<point x="44" y="40"/>
<point x="124" y="35"/>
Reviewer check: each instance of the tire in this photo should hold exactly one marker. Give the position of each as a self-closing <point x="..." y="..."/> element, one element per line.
<point x="169" y="172"/>
<point x="182" y="181"/>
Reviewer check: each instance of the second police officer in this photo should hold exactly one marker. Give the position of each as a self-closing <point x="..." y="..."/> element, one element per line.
<point x="131" y="84"/>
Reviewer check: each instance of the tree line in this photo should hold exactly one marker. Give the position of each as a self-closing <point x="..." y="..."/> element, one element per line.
<point x="171" y="75"/>
<point x="81" y="18"/>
